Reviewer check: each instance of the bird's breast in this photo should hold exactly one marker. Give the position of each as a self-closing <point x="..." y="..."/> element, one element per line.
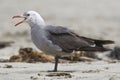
<point x="39" y="38"/>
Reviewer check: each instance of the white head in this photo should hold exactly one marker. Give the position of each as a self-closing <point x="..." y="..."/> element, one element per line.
<point x="31" y="17"/>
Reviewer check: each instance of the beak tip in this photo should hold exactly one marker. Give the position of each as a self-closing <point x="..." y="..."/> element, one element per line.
<point x="13" y="17"/>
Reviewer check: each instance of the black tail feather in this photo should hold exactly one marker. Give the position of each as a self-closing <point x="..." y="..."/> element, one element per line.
<point x="98" y="43"/>
<point x="104" y="42"/>
<point x="95" y="49"/>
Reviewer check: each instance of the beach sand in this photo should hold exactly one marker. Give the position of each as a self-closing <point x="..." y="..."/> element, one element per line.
<point x="99" y="70"/>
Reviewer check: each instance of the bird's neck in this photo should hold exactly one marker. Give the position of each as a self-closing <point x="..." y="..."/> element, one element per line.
<point x="37" y="23"/>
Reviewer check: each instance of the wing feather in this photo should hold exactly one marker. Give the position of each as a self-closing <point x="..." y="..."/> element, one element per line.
<point x="65" y="38"/>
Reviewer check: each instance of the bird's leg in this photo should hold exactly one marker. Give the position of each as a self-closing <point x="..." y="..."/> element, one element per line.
<point x="56" y="63"/>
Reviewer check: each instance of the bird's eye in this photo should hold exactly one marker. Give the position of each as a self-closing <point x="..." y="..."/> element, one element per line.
<point x="28" y="14"/>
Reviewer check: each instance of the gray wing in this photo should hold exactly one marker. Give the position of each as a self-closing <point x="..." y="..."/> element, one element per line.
<point x="69" y="41"/>
<point x="66" y="39"/>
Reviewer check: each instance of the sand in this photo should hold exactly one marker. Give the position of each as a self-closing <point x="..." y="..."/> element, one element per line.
<point x="74" y="71"/>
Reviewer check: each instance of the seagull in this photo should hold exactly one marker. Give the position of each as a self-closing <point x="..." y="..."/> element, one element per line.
<point x="58" y="40"/>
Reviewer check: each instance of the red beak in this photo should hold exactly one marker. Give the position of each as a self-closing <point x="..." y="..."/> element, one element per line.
<point x="20" y="21"/>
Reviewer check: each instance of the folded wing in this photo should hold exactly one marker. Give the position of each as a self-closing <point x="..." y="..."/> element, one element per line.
<point x="69" y="41"/>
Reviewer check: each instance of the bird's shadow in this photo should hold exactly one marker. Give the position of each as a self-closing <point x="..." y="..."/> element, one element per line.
<point x="59" y="73"/>
<point x="52" y="71"/>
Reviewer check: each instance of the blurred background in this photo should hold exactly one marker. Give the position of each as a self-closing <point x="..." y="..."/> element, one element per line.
<point x="98" y="19"/>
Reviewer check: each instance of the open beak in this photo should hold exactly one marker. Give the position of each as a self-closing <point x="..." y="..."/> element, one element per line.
<point x="18" y="16"/>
